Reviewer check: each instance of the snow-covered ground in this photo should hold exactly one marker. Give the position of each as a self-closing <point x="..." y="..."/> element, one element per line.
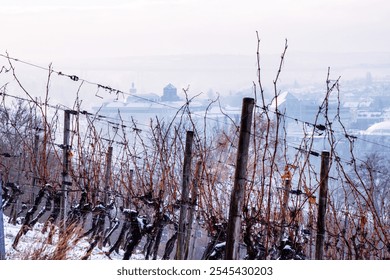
<point x="34" y="243"/>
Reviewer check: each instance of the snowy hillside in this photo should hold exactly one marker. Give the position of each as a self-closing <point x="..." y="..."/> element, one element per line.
<point x="34" y="245"/>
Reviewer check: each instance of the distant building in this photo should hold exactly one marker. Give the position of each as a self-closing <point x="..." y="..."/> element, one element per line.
<point x="144" y="107"/>
<point x="133" y="90"/>
<point x="304" y="110"/>
<point x="298" y="111"/>
<point x="170" y="94"/>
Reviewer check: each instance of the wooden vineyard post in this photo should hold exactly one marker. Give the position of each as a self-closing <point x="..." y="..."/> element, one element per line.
<point x="237" y="195"/>
<point x="2" y="241"/>
<point x="286" y="196"/>
<point x="107" y="178"/>
<point x="66" y="151"/>
<point x="194" y="198"/>
<point x="180" y="248"/>
<point x="35" y="168"/>
<point x="322" y="205"/>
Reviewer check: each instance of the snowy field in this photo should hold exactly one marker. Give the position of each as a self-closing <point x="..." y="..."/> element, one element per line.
<point x="34" y="245"/>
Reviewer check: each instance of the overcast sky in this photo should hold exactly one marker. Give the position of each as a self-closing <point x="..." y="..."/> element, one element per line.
<point x="88" y="28"/>
<point x="45" y="31"/>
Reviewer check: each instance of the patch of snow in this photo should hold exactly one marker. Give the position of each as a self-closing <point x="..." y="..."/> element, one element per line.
<point x="34" y="242"/>
<point x="220" y="245"/>
<point x="287" y="247"/>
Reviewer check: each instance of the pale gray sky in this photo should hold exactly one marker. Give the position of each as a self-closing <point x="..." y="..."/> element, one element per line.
<point x="95" y="33"/>
<point x="75" y="28"/>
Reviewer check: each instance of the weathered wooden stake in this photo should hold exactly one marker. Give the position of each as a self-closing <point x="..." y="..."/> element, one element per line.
<point x="180" y="247"/>
<point x="65" y="169"/>
<point x="194" y="199"/>
<point x="107" y="179"/>
<point x="2" y="241"/>
<point x="35" y="167"/>
<point x="237" y="195"/>
<point x="287" y="177"/>
<point x="323" y="196"/>
<point x="131" y="179"/>
<point x="16" y="208"/>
